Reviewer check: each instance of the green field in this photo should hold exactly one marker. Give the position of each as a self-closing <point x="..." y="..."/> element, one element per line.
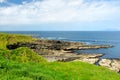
<point x="24" y="64"/>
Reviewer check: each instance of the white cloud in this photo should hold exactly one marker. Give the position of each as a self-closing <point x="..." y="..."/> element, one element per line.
<point x="51" y="11"/>
<point x="1" y="1"/>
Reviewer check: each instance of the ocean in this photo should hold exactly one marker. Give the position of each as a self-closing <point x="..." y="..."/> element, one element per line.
<point x="89" y="37"/>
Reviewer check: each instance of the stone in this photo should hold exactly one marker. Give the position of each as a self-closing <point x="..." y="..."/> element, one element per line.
<point x="105" y="62"/>
<point x="55" y="45"/>
<point x="88" y="60"/>
<point x="113" y="64"/>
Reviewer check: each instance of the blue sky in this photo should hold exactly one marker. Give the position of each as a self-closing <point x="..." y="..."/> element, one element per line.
<point x="59" y="15"/>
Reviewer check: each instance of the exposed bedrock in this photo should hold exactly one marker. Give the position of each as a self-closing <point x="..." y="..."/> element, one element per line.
<point x="113" y="64"/>
<point x="89" y="58"/>
<point x="66" y="57"/>
<point x="56" y="45"/>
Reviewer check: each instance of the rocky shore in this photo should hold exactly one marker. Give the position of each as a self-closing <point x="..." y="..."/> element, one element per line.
<point x="113" y="64"/>
<point x="54" y="50"/>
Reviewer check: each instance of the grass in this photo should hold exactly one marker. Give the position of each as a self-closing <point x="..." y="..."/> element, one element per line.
<point x="56" y="71"/>
<point x="24" y="64"/>
<point x="6" y="39"/>
<point x="21" y="55"/>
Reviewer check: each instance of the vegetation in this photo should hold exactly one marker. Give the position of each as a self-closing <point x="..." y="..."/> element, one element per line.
<point x="22" y="55"/>
<point x="54" y="71"/>
<point x="23" y="64"/>
<point x="6" y="39"/>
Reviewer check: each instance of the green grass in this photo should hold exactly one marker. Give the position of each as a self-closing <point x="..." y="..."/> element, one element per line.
<point x="12" y="39"/>
<point x="24" y="64"/>
<point x="21" y="55"/>
<point x="55" y="71"/>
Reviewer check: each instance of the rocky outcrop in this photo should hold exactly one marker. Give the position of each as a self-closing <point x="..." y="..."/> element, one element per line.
<point x="46" y="44"/>
<point x="56" y="45"/>
<point x="113" y="64"/>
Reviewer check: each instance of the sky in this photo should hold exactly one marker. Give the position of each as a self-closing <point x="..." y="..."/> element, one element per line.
<point x="59" y="15"/>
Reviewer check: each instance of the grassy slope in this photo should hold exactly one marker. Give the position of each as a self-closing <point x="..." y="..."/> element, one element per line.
<point x="12" y="38"/>
<point x="56" y="71"/>
<point x="24" y="64"/>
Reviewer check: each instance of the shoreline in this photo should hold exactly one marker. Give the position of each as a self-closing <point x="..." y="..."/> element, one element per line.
<point x="56" y="50"/>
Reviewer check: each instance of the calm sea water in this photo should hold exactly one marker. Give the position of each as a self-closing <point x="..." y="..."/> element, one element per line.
<point x="90" y="37"/>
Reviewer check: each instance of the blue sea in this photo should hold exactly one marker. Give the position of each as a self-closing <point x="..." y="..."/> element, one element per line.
<point x="89" y="37"/>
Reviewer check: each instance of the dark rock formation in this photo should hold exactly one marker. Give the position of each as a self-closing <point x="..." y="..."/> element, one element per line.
<point x="56" y="45"/>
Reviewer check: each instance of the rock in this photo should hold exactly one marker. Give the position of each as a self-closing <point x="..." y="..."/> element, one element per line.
<point x="55" y="45"/>
<point x="55" y="50"/>
<point x="113" y="64"/>
<point x="85" y="47"/>
<point x="105" y="62"/>
<point x="88" y="60"/>
<point x="84" y="55"/>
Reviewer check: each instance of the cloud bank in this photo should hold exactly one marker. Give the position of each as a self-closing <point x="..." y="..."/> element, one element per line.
<point x="59" y="11"/>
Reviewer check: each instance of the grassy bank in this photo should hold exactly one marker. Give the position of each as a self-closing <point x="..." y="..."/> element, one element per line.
<point x="6" y="39"/>
<point x="23" y="64"/>
<point x="55" y="71"/>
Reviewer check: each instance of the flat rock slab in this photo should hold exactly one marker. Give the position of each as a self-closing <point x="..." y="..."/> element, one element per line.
<point x="89" y="58"/>
<point x="85" y="55"/>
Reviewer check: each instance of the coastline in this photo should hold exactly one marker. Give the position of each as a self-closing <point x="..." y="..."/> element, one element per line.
<point x="62" y="51"/>
<point x="56" y="50"/>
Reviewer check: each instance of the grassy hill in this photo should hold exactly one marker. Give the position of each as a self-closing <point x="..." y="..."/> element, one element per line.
<point x="24" y="64"/>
